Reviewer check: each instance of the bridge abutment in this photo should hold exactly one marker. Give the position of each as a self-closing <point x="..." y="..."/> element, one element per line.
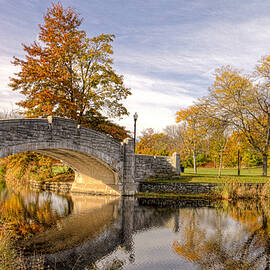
<point x="129" y="186"/>
<point x="86" y="184"/>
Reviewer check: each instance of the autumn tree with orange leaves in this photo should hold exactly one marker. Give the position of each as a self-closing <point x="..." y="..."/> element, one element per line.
<point x="67" y="74"/>
<point x="152" y="143"/>
<point x="163" y="143"/>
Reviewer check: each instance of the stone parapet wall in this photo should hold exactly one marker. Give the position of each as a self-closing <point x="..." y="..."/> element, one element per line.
<point x="156" y="166"/>
<point x="177" y="188"/>
<point x="188" y="188"/>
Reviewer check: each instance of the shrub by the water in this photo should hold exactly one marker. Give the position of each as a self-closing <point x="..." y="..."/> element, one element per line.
<point x="11" y="259"/>
<point x="233" y="190"/>
<point x="7" y="252"/>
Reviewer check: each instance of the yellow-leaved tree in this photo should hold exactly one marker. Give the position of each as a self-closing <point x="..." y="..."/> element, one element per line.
<point x="193" y="131"/>
<point x="242" y="105"/>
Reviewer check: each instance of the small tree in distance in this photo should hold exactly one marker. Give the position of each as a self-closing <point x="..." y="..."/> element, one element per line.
<point x="193" y="131"/>
<point x="152" y="143"/>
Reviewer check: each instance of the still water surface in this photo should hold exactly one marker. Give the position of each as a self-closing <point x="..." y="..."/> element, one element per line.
<point x="102" y="232"/>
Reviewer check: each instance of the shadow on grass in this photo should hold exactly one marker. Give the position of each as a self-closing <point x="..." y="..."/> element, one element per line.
<point x="211" y="178"/>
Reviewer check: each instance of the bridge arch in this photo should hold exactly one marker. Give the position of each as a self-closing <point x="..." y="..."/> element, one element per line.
<point x="97" y="158"/>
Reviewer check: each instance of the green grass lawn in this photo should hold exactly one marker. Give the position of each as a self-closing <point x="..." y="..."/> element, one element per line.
<point x="210" y="175"/>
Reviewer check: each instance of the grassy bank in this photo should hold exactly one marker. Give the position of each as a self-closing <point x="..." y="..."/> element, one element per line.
<point x="230" y="185"/>
<point x="236" y="191"/>
<point x="7" y="251"/>
<point x="210" y="175"/>
<point x="226" y="171"/>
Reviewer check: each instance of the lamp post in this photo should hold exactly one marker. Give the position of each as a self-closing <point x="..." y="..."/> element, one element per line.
<point x="135" y="116"/>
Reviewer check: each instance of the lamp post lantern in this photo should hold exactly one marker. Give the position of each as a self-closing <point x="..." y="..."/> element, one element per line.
<point x="135" y="116"/>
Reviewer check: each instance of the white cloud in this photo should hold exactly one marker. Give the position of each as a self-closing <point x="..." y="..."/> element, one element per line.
<point x="156" y="109"/>
<point x="8" y="98"/>
<point x="201" y="49"/>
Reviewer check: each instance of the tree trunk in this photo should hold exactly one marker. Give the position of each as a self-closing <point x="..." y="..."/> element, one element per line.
<point x="238" y="162"/>
<point x="194" y="162"/>
<point x="221" y="156"/>
<point x="265" y="157"/>
<point x="220" y="163"/>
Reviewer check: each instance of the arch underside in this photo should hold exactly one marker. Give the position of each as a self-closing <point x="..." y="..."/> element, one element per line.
<point x="91" y="175"/>
<point x="91" y="216"/>
<point x="95" y="172"/>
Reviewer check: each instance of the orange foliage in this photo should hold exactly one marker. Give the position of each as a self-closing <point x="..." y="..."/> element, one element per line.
<point x="67" y="74"/>
<point x="152" y="143"/>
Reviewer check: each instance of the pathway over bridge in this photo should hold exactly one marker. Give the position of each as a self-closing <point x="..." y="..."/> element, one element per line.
<point x="102" y="164"/>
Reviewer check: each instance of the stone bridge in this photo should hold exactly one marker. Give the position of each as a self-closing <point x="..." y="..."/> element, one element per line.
<point x="102" y="164"/>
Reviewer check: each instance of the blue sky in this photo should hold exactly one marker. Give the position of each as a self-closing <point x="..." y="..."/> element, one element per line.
<point x="167" y="50"/>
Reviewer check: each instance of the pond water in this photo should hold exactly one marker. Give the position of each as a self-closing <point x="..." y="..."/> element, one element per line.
<point x="102" y="232"/>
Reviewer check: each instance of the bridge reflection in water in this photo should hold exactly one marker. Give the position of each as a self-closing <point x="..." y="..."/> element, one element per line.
<point x="97" y="226"/>
<point x="94" y="222"/>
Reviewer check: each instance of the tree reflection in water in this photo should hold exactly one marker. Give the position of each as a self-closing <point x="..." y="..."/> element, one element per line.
<point x="25" y="212"/>
<point x="236" y="237"/>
